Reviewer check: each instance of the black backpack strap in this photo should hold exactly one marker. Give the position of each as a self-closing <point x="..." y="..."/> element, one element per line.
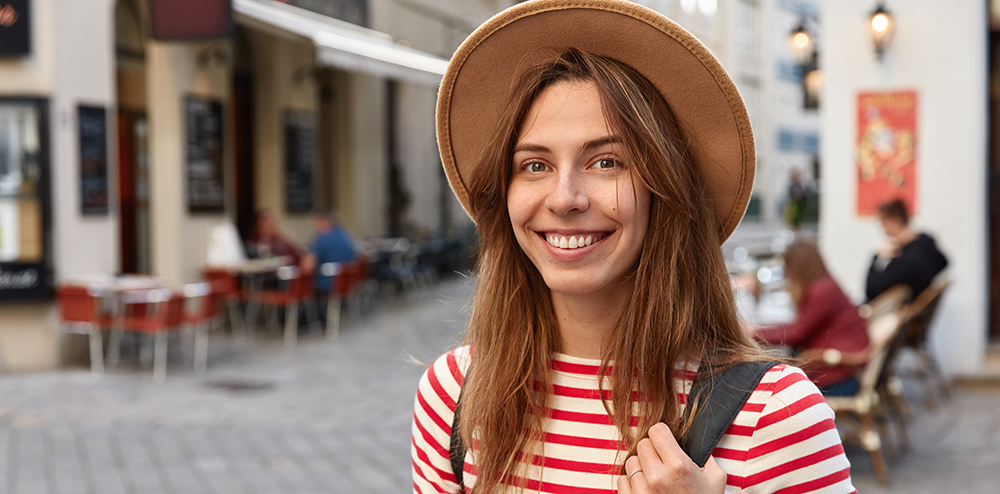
<point x="720" y="396"/>
<point x="457" y="448"/>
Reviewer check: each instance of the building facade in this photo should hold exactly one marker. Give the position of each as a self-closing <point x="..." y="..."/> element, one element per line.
<point x="124" y="139"/>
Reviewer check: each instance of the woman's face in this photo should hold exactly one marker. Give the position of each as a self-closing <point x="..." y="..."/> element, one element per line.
<point x="576" y="209"/>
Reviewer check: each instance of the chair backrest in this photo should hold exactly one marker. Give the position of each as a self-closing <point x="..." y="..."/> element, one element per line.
<point x="200" y="301"/>
<point x="78" y="303"/>
<point x="222" y="281"/>
<point x="888" y="301"/>
<point x="882" y="331"/>
<point x="925" y="304"/>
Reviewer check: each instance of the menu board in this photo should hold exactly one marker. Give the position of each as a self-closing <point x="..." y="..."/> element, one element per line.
<point x="300" y="161"/>
<point x="206" y="191"/>
<point x="92" y="125"/>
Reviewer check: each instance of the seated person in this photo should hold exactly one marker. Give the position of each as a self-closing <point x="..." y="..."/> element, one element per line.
<point x="827" y="322"/>
<point x="268" y="242"/>
<point x="908" y="258"/>
<point x="332" y="244"/>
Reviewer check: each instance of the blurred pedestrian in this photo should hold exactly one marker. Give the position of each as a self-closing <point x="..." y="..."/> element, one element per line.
<point x="332" y="244"/>
<point x="605" y="155"/>
<point x="797" y="200"/>
<point x="267" y="240"/>
<point x="908" y="257"/>
<point x="827" y="324"/>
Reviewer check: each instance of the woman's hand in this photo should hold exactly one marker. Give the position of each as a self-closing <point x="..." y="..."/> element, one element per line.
<point x="662" y="467"/>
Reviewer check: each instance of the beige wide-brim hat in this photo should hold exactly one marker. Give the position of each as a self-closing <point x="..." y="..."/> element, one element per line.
<point x="483" y="72"/>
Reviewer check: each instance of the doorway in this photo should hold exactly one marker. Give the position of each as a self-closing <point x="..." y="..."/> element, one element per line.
<point x="994" y="171"/>
<point x="133" y="140"/>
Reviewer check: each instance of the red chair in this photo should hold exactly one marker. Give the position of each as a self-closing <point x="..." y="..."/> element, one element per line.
<point x="82" y="311"/>
<point x="293" y="288"/>
<point x="202" y="307"/>
<point x="153" y="312"/>
<point x="344" y="276"/>
<point x="226" y="287"/>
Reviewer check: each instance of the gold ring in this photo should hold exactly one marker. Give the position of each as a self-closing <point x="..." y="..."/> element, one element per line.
<point x="633" y="473"/>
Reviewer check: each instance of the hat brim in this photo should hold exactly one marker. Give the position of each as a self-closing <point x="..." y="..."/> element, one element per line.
<point x="483" y="73"/>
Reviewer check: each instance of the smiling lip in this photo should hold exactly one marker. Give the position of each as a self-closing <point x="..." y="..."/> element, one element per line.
<point x="572" y="241"/>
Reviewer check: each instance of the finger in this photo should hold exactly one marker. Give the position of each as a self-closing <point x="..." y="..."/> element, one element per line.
<point x="623" y="485"/>
<point x="665" y="444"/>
<point x="648" y="456"/>
<point x="717" y="477"/>
<point x="632" y="464"/>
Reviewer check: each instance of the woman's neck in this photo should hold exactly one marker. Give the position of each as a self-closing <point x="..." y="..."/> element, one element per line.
<point x="585" y="319"/>
<point x="906" y="236"/>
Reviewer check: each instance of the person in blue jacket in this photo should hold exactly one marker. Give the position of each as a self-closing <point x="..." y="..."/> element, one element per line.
<point x="332" y="243"/>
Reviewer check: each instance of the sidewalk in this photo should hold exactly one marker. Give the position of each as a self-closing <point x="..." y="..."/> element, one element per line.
<point x="333" y="417"/>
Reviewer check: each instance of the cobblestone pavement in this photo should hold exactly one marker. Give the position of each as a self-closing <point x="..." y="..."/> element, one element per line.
<point x="332" y="417"/>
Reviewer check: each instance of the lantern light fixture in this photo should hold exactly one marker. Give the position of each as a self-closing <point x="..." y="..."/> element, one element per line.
<point x="882" y="27"/>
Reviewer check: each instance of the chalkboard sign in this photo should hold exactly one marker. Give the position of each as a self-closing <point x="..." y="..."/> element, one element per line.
<point x="92" y="124"/>
<point x="206" y="191"/>
<point x="300" y="161"/>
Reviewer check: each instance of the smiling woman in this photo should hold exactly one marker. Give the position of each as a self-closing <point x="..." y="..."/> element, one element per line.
<point x="602" y="180"/>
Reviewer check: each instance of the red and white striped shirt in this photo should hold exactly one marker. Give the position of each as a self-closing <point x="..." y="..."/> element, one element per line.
<point x="783" y="440"/>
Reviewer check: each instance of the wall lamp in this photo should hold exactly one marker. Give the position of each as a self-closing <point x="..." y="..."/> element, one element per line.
<point x="883" y="27"/>
<point x="802" y="44"/>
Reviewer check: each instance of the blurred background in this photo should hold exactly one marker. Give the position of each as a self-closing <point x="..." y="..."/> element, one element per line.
<point x="141" y="139"/>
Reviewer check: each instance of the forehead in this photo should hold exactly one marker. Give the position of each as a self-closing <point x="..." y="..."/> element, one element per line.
<point x="568" y="106"/>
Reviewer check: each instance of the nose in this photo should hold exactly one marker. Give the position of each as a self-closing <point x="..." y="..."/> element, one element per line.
<point x="568" y="194"/>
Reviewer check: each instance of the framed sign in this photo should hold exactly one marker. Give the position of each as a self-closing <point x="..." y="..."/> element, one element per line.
<point x="15" y="27"/>
<point x="300" y="161"/>
<point x="92" y="126"/>
<point x="887" y="150"/>
<point x="206" y="191"/>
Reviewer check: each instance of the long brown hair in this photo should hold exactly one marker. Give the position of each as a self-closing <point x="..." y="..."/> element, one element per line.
<point x="803" y="266"/>
<point x="680" y="308"/>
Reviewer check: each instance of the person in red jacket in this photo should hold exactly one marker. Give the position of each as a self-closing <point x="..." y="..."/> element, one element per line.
<point x="827" y="325"/>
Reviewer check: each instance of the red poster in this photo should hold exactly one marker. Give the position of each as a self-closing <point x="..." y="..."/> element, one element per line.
<point x="887" y="153"/>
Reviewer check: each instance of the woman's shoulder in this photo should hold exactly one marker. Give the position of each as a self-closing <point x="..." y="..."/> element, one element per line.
<point x="442" y="381"/>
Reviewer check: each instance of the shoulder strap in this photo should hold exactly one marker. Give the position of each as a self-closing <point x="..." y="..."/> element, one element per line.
<point x="720" y="396"/>
<point x="457" y="449"/>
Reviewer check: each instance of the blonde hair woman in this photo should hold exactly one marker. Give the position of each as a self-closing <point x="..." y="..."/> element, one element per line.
<point x="604" y="155"/>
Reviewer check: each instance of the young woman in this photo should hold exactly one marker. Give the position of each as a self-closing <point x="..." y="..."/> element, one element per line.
<point x="827" y="327"/>
<point x="604" y="154"/>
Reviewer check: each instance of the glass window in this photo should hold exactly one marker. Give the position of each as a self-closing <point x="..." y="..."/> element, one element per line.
<point x="747" y="22"/>
<point x="20" y="174"/>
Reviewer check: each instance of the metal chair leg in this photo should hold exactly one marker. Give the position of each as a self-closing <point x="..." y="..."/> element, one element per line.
<point x="291" y="324"/>
<point x="96" y="354"/>
<point x="201" y="349"/>
<point x="160" y="356"/>
<point x="333" y="318"/>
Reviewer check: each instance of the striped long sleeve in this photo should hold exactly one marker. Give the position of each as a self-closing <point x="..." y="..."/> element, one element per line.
<point x="783" y="440"/>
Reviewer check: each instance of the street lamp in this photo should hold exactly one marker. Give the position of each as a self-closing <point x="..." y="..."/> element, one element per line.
<point x="883" y="27"/>
<point x="802" y="44"/>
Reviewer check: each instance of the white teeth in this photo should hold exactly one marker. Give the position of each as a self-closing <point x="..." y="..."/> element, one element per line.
<point x="571" y="242"/>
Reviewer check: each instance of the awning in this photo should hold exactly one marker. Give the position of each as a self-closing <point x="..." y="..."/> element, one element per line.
<point x="342" y="44"/>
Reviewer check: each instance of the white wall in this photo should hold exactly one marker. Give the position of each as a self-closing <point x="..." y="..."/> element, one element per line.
<point x="84" y="68"/>
<point x="178" y="237"/>
<point x="939" y="50"/>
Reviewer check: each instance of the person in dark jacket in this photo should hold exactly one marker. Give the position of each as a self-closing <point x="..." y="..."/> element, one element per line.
<point x="827" y="323"/>
<point x="909" y="257"/>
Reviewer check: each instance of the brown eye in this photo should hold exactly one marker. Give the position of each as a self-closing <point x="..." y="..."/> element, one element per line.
<point x="605" y="164"/>
<point x="536" y="167"/>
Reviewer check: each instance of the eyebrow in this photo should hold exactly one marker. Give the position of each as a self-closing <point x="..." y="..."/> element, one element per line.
<point x="595" y="143"/>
